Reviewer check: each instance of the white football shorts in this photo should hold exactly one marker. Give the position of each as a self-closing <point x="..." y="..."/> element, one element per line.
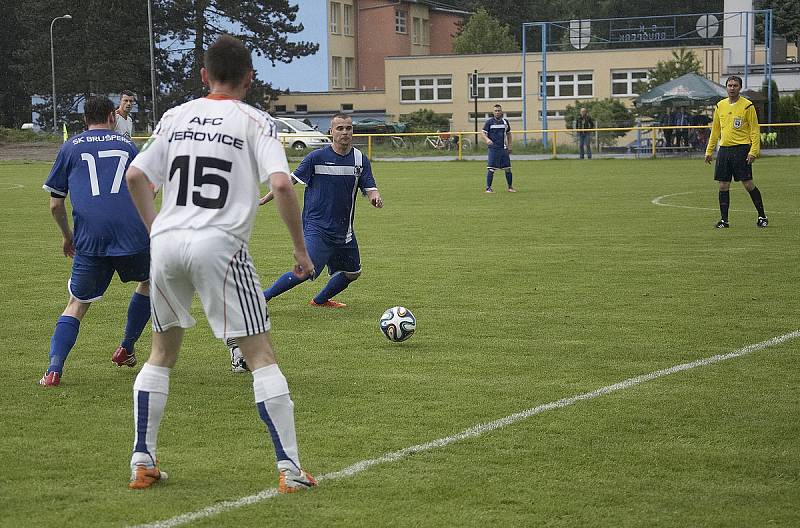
<point x="219" y="268"/>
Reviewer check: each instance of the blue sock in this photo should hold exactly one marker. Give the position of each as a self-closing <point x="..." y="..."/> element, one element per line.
<point x="63" y="340"/>
<point x="138" y="315"/>
<point x="337" y="284"/>
<point x="285" y="282"/>
<point x="489" y="178"/>
<point x="509" y="178"/>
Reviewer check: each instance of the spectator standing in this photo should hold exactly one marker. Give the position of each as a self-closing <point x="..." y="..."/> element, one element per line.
<point x="584" y="124"/>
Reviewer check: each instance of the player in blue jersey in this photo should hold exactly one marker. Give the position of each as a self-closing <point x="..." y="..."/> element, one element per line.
<point x="332" y="176"/>
<point x="108" y="236"/>
<point x="497" y="134"/>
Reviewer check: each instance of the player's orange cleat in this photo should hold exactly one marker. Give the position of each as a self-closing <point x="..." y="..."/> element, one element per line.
<point x="143" y="477"/>
<point x="330" y="303"/>
<point x="289" y="482"/>
<point x="50" y="379"/>
<point x="123" y="357"/>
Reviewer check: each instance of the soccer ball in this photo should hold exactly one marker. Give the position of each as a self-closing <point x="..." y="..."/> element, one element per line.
<point x="398" y="324"/>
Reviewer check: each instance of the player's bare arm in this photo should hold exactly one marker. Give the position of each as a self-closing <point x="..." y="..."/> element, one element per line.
<point x="142" y="195"/>
<point x="59" y="211"/>
<point x="288" y="208"/>
<point x="375" y="199"/>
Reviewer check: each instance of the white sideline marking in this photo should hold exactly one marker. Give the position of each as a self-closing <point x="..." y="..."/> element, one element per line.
<point x="11" y="186"/>
<point x="658" y="201"/>
<point x="472" y="432"/>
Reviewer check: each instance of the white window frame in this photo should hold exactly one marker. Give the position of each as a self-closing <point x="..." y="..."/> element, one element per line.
<point x="515" y="115"/>
<point x="335" y="17"/>
<point x="629" y="81"/>
<point x="438" y="84"/>
<point x="400" y="21"/>
<point x="347" y="20"/>
<point x="575" y="83"/>
<point x="416" y="30"/>
<point x="484" y="86"/>
<point x="349" y="72"/>
<point x="552" y="114"/>
<point x="336" y="72"/>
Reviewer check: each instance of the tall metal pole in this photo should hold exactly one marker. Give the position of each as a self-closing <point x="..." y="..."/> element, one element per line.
<point x="475" y="97"/>
<point x="152" y="63"/>
<point x="53" y="65"/>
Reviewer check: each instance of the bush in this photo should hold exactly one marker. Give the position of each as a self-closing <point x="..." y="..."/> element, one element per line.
<point x="425" y="120"/>
<point x="607" y="113"/>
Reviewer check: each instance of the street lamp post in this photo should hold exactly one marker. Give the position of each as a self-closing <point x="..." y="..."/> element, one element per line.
<point x="53" y="63"/>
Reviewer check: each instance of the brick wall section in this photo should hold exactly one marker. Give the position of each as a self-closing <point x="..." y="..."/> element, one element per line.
<point x="443" y="29"/>
<point x="377" y="39"/>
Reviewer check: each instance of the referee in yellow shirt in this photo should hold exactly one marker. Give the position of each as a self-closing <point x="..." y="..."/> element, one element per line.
<point x="735" y="120"/>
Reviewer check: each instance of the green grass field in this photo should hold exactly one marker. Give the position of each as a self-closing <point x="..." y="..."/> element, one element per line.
<point x="575" y="283"/>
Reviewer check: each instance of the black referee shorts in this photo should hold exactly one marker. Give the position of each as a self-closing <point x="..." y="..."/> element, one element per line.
<point x="732" y="163"/>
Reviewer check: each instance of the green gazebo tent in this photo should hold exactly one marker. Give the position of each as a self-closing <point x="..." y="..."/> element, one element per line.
<point x="689" y="90"/>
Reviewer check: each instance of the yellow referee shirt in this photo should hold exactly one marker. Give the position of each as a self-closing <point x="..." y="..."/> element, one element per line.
<point x="737" y="123"/>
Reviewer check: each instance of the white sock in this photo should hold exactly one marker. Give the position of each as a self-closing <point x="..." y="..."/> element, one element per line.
<point x="150" y="392"/>
<point x="276" y="409"/>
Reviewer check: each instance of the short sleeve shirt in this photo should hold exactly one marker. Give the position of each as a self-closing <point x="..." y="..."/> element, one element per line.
<point x="90" y="167"/>
<point x="497" y="129"/>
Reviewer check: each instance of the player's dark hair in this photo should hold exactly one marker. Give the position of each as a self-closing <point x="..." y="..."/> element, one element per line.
<point x="96" y="109"/>
<point x="228" y="60"/>
<point x="128" y="93"/>
<point x="498" y="106"/>
<point x="341" y="115"/>
<point x="734" y="78"/>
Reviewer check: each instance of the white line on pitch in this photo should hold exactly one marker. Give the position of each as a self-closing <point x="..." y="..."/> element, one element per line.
<point x="472" y="432"/>
<point x="657" y="201"/>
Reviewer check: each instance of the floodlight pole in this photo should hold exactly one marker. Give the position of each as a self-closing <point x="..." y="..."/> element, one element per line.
<point x="152" y="62"/>
<point x="53" y="65"/>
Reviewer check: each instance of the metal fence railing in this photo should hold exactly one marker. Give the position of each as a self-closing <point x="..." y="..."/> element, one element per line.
<point x="642" y="141"/>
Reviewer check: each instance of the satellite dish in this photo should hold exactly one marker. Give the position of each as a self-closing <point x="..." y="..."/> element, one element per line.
<point x="707" y="26"/>
<point x="580" y="33"/>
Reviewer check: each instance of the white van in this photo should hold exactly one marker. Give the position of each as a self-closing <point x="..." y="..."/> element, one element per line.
<point x="298" y="135"/>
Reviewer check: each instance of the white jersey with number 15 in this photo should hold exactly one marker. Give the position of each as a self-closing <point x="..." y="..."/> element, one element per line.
<point x="208" y="156"/>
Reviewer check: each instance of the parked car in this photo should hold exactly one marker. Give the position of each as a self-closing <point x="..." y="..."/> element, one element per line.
<point x="298" y="135"/>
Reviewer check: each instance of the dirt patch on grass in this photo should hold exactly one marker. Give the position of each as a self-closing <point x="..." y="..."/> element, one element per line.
<point x="28" y="151"/>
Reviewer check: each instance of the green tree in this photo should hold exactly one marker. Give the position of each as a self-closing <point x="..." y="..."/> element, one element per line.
<point x="683" y="61"/>
<point x="425" y="120"/>
<point x="785" y="17"/>
<point x="14" y="102"/>
<point x="607" y="113"/>
<point x="102" y="49"/>
<point x="482" y="33"/>
<point x="192" y="25"/>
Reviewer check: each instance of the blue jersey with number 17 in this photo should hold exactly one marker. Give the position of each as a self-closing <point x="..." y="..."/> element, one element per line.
<point x="90" y="167"/>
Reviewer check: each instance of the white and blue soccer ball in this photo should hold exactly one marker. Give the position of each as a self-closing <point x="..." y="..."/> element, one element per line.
<point x="398" y="324"/>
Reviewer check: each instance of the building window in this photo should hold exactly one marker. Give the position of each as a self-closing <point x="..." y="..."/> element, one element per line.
<point x="570" y="84"/>
<point x="416" y="30"/>
<point x="347" y="20"/>
<point x="335" y="13"/>
<point x="483" y="116"/>
<point x="336" y="72"/>
<point x="280" y="109"/>
<point x="426" y="89"/>
<point x="555" y="114"/>
<point x="426" y="32"/>
<point x="498" y="86"/>
<point x="400" y="22"/>
<point x="346" y="107"/>
<point x="349" y="71"/>
<point x="301" y="109"/>
<point x="623" y="83"/>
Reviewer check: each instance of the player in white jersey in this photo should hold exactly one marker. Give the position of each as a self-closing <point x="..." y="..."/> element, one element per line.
<point x="209" y="156"/>
<point x="123" y="122"/>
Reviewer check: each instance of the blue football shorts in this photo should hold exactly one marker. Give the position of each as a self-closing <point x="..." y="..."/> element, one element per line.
<point x="337" y="256"/>
<point x="91" y="275"/>
<point x="499" y="159"/>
